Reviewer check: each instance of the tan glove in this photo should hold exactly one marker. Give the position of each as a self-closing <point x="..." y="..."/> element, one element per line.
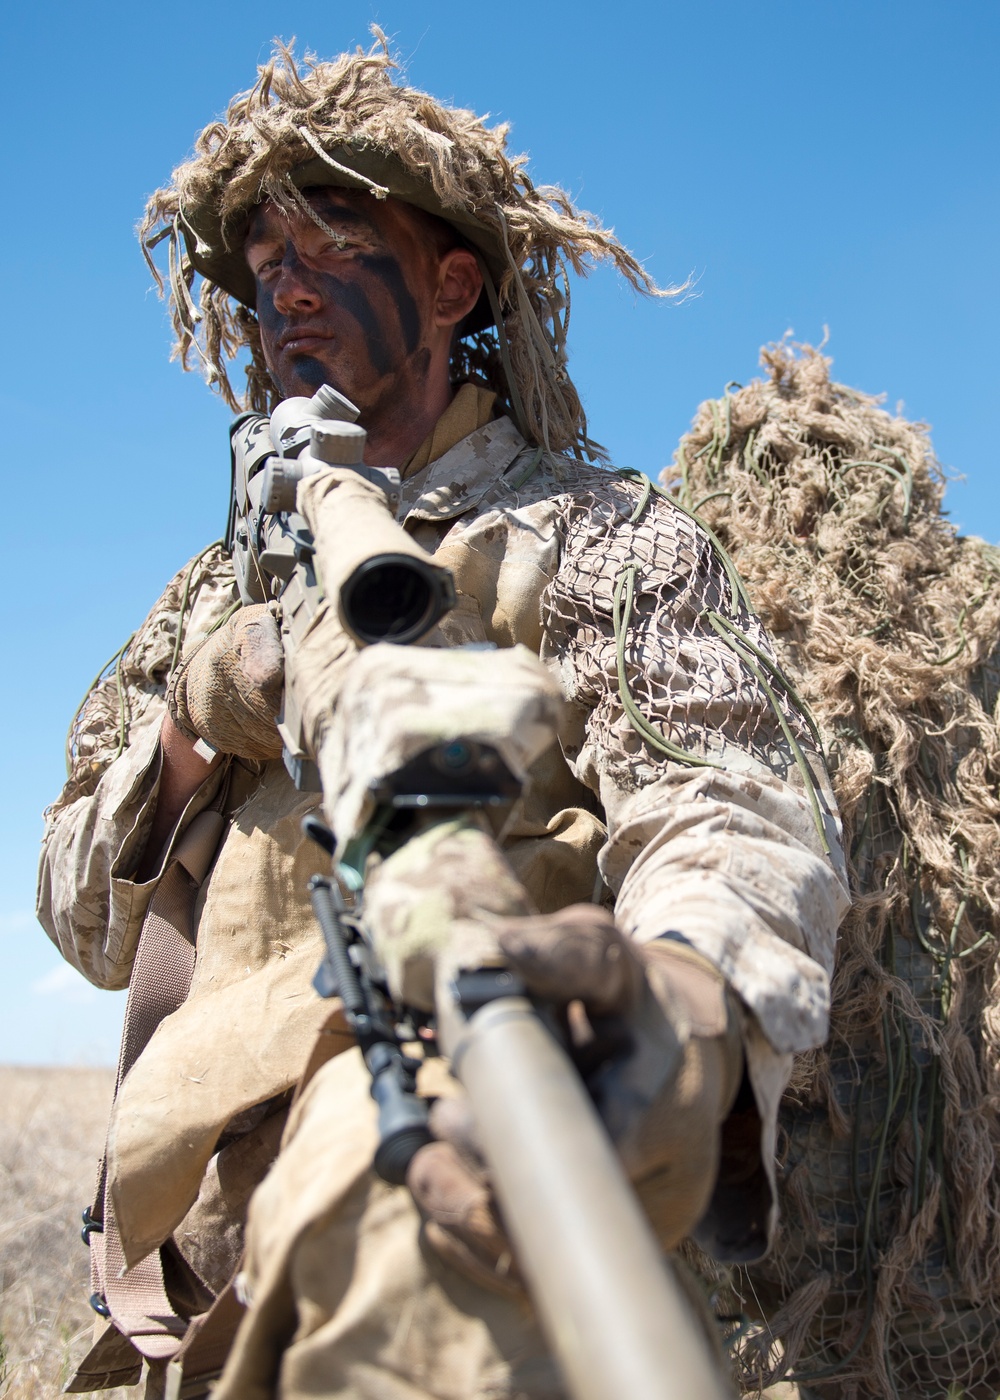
<point x="228" y="691"/>
<point x="655" y="1035"/>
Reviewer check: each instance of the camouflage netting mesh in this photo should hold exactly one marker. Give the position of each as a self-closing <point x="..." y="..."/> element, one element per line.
<point x="885" y="1280"/>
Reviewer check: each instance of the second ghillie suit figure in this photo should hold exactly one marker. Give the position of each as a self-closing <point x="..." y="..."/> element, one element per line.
<point x="883" y="1279"/>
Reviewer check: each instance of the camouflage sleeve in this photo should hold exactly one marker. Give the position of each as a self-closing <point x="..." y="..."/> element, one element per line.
<point x="96" y="829"/>
<point x="721" y="824"/>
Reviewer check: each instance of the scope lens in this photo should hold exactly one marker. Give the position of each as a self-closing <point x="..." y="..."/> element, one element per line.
<point x="391" y="601"/>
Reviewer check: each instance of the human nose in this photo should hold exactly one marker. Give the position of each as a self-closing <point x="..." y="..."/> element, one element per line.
<point x="295" y="290"/>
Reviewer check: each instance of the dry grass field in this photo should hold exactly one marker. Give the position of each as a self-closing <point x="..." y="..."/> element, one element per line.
<point x="52" y="1125"/>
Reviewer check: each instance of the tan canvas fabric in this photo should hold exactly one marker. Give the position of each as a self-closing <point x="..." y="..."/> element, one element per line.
<point x="346" y="1299"/>
<point x="211" y="1234"/>
<point x="97" y="827"/>
<point x="729" y="856"/>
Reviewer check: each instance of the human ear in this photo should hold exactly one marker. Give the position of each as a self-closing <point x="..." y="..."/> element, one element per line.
<point x="459" y="285"/>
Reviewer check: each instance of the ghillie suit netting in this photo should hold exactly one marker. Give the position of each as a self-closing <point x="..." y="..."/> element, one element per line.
<point x="885" y="1279"/>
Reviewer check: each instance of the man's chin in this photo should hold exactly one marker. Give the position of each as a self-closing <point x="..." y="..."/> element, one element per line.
<point x="307" y="374"/>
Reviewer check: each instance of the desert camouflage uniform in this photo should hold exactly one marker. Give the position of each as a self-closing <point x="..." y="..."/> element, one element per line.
<point x="726" y="852"/>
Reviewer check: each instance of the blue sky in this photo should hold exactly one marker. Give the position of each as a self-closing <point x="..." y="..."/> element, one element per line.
<point x="811" y="164"/>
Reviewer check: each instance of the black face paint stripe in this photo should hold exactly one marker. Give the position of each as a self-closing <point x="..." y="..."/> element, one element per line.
<point x="370" y="289"/>
<point x="388" y="270"/>
<point x="311" y="371"/>
<point x="354" y="301"/>
<point x="267" y="313"/>
<point x="332" y="211"/>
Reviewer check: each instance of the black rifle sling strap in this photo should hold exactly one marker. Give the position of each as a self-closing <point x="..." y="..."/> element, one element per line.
<point x="161" y="978"/>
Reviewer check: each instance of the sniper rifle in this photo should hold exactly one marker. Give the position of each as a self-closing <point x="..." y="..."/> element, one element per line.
<point x="611" y="1307"/>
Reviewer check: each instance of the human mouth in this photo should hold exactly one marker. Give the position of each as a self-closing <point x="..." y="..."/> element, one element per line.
<point x="299" y="340"/>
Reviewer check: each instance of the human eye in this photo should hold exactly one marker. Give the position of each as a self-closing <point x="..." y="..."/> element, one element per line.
<point x="264" y="262"/>
<point x="336" y="243"/>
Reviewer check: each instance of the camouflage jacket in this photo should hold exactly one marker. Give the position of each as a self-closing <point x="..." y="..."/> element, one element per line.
<point x="687" y="787"/>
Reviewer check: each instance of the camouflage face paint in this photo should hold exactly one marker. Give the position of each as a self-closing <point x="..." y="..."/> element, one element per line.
<point x="349" y="310"/>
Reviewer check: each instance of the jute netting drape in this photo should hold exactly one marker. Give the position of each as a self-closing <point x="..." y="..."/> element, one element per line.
<point x="885" y="1280"/>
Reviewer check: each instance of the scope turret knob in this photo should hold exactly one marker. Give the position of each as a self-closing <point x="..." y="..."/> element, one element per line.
<point x="339" y="444"/>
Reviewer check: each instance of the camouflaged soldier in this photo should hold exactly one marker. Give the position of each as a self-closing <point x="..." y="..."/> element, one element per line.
<point x="351" y="231"/>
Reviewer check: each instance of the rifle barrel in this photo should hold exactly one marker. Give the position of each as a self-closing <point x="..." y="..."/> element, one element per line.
<point x="615" y="1316"/>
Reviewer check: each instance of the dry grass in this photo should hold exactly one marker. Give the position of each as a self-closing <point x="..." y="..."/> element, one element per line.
<point x="52" y="1125"/>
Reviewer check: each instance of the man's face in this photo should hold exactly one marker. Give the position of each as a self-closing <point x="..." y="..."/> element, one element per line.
<point x="355" y="311"/>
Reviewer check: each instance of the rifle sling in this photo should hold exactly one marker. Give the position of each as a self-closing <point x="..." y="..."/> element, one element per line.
<point x="161" y="978"/>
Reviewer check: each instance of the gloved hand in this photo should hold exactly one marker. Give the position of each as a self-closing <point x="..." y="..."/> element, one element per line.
<point x="652" y="1030"/>
<point x="228" y="691"/>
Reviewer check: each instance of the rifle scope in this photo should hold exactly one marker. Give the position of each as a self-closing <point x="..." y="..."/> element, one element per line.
<point x="394" y="598"/>
<point x="394" y="592"/>
<point x="388" y="588"/>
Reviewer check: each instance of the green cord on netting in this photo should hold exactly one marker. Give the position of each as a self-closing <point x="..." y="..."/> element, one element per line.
<point x="622" y="616"/>
<point x="712" y="496"/>
<point x="910" y="1075"/>
<point x="216" y="544"/>
<point x="737" y="588"/>
<point x="963" y="641"/>
<point x="115" y="661"/>
<point x="925" y="1143"/>
<point x="231" y="611"/>
<point x="724" y="440"/>
<point x="742" y="645"/>
<point x="861" y="833"/>
<point x="682" y="462"/>
<point x="833" y="1368"/>
<point x="624" y="598"/>
<point x="907" y="471"/>
<point x="752" y="460"/>
<point x="719" y="440"/>
<point x="904" y="477"/>
<point x="905" y="1082"/>
<point x="947" y="952"/>
<point x="640" y="479"/>
<point x="776" y="674"/>
<point x="867" y="1201"/>
<point x="869" y="1232"/>
<point x="919" y="1181"/>
<point x="738" y="592"/>
<point x="728" y="633"/>
<point x="944" y="1207"/>
<point x="124" y="707"/>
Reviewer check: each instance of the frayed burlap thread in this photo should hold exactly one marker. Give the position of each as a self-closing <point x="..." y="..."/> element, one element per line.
<point x="887" y="621"/>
